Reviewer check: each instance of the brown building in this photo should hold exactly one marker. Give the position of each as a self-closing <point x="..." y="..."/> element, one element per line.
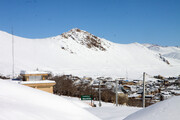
<point x="37" y="79"/>
<point x="34" y="75"/>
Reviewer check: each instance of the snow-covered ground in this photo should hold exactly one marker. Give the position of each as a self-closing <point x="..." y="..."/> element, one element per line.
<point x="165" y="110"/>
<point x="112" y="112"/>
<point x="73" y="53"/>
<point x="18" y="102"/>
<point x="108" y="111"/>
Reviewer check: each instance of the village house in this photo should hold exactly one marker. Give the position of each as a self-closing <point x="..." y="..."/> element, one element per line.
<point x="37" y="79"/>
<point x="131" y="88"/>
<point x="126" y="82"/>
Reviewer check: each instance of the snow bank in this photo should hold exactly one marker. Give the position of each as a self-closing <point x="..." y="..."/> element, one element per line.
<point x="165" y="110"/>
<point x="19" y="102"/>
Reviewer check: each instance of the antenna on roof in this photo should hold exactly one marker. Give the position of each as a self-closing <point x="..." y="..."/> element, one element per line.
<point x="12" y="53"/>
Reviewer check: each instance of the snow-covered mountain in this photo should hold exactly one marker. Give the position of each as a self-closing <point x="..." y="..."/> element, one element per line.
<point x="80" y="53"/>
<point x="169" y="52"/>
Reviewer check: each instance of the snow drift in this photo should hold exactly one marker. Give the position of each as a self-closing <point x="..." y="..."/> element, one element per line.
<point x="20" y="102"/>
<point x="165" y="110"/>
<point x="80" y="53"/>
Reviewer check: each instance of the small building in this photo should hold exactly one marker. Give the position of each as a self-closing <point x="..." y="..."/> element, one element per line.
<point x="126" y="82"/>
<point x="38" y="80"/>
<point x="34" y="75"/>
<point x="131" y="88"/>
<point x="138" y="82"/>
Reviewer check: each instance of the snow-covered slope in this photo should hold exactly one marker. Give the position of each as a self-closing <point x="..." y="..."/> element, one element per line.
<point x="107" y="111"/>
<point x="171" y="53"/>
<point x="20" y="102"/>
<point x="80" y="53"/>
<point x="165" y="110"/>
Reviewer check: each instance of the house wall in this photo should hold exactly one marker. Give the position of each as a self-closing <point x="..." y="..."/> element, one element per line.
<point x="126" y="88"/>
<point x="48" y="87"/>
<point x="128" y="83"/>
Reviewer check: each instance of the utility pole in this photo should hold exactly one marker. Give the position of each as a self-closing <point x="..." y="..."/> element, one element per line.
<point x="91" y="95"/>
<point x="12" y="53"/>
<point x="144" y="75"/>
<point x="116" y="92"/>
<point x="99" y="94"/>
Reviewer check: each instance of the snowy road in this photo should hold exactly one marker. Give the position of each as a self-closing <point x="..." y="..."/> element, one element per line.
<point x="108" y="111"/>
<point x="112" y="112"/>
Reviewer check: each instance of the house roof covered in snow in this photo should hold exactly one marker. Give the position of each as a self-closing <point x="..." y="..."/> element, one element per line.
<point x="33" y="72"/>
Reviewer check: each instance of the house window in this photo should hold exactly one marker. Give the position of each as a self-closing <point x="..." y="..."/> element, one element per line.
<point x="35" y="78"/>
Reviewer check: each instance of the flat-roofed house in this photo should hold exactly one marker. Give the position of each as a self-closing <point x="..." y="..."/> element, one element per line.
<point x="34" y="75"/>
<point x="38" y="80"/>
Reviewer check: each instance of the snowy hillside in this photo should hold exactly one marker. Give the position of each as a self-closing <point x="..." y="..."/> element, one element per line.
<point x="80" y="53"/>
<point x="165" y="110"/>
<point x="168" y="52"/>
<point x="20" y="102"/>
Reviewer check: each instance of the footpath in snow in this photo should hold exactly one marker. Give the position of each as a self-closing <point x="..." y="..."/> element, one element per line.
<point x="108" y="111"/>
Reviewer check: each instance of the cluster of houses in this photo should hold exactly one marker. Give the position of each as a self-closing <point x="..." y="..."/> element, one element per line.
<point x="155" y="90"/>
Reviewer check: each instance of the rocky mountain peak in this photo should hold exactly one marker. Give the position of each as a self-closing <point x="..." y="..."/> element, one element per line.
<point x="85" y="38"/>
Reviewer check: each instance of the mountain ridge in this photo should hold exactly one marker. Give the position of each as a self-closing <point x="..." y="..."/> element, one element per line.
<point x="72" y="55"/>
<point x="166" y="51"/>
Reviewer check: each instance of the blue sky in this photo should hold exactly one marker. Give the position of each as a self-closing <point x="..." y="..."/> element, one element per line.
<point x="120" y="21"/>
